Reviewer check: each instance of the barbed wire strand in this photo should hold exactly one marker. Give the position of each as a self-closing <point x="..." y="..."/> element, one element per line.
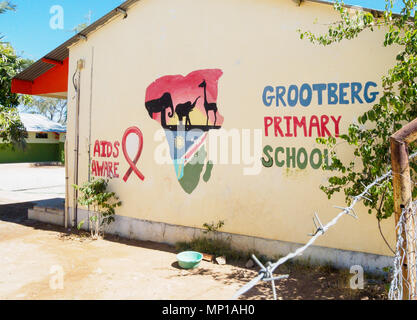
<point x="266" y="273"/>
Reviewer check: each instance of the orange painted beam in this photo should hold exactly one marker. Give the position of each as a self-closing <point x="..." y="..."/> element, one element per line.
<point x="53" y="81"/>
<point x="21" y="86"/>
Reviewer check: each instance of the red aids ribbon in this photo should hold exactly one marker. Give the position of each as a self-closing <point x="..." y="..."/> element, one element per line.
<point x="133" y="130"/>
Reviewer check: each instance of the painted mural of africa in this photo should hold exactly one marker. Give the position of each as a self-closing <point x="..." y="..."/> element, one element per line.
<point x="186" y="108"/>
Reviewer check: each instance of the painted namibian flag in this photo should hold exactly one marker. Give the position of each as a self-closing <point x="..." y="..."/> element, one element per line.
<point x="186" y="108"/>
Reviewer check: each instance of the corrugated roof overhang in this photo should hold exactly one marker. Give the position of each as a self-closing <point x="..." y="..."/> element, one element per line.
<point x="35" y="79"/>
<point x="49" y="75"/>
<point x="52" y="81"/>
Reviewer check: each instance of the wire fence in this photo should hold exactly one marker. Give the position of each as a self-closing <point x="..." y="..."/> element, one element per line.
<point x="396" y="290"/>
<point x="406" y="226"/>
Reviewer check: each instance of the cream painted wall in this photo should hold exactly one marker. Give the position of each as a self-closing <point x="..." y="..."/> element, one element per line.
<point x="255" y="43"/>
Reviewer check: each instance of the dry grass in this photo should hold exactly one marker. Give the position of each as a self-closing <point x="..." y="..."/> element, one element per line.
<point x="306" y="280"/>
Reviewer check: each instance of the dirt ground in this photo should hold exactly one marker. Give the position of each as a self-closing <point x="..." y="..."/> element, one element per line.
<point x="32" y="255"/>
<point x="35" y="257"/>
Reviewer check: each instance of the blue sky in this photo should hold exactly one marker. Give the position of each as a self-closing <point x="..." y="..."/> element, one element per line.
<point x="374" y="4"/>
<point x="28" y="29"/>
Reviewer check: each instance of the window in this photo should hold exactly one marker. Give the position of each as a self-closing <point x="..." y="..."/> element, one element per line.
<point x="41" y="135"/>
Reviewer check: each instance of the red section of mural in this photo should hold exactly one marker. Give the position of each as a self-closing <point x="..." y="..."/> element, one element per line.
<point x="107" y="149"/>
<point x="290" y="126"/>
<point x="105" y="168"/>
<point x="55" y="80"/>
<point x="132" y="164"/>
<point x="188" y="88"/>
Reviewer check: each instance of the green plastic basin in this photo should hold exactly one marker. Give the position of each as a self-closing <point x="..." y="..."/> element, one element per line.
<point x="189" y="259"/>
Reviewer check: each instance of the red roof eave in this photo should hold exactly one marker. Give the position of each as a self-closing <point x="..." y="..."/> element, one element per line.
<point x="55" y="80"/>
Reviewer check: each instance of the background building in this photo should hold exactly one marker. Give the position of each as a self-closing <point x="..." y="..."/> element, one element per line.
<point x="44" y="143"/>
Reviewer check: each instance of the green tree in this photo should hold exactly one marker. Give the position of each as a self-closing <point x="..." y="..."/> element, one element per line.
<point x="4" y="7"/>
<point x="369" y="139"/>
<point x="12" y="130"/>
<point x="81" y="26"/>
<point x="7" y="6"/>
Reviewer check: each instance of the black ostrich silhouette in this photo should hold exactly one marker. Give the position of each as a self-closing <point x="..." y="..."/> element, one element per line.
<point x="208" y="106"/>
<point x="183" y="110"/>
<point x="160" y="105"/>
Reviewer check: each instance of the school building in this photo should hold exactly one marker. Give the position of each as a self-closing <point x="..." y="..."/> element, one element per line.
<point x="201" y="111"/>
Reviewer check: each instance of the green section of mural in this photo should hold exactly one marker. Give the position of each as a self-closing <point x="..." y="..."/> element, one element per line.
<point x="193" y="170"/>
<point x="207" y="174"/>
<point x="34" y="152"/>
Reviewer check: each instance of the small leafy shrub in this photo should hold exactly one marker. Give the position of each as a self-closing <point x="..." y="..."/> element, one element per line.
<point x="213" y="227"/>
<point x="94" y="194"/>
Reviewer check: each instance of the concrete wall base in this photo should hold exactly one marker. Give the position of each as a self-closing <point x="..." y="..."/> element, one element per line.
<point x="138" y="229"/>
<point x="47" y="215"/>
